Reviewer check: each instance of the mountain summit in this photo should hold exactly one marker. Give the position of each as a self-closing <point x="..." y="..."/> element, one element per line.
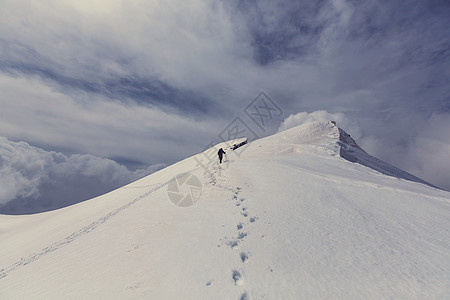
<point x="305" y="213"/>
<point x="348" y="148"/>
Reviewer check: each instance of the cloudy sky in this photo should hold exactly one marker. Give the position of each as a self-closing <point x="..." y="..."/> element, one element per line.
<point x="94" y="94"/>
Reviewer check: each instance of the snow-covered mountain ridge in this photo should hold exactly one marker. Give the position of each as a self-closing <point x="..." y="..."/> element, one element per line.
<point x="284" y="217"/>
<point x="328" y="139"/>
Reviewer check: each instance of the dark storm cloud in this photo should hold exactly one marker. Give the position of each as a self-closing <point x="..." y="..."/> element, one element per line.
<point x="291" y="30"/>
<point x="141" y="90"/>
<point x="281" y="30"/>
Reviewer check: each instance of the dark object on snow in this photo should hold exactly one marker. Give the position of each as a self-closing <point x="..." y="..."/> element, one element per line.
<point x="221" y="153"/>
<point x="235" y="146"/>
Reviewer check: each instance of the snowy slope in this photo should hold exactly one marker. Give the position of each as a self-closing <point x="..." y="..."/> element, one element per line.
<point x="286" y="217"/>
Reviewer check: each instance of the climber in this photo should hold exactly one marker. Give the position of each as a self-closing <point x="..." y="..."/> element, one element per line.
<point x="221" y="153"/>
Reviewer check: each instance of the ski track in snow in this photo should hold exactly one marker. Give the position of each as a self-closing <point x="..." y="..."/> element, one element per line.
<point x="85" y="230"/>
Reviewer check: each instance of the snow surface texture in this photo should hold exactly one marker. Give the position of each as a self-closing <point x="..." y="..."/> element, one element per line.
<point x="284" y="217"/>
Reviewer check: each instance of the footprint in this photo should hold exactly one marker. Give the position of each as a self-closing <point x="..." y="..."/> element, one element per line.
<point x="238" y="204"/>
<point x="242" y="235"/>
<point x="240" y="226"/>
<point x="253" y="219"/>
<point x="245" y="214"/>
<point x="244" y="296"/>
<point x="209" y="283"/>
<point x="244" y="208"/>
<point x="244" y="257"/>
<point x="233" y="244"/>
<point x="237" y="278"/>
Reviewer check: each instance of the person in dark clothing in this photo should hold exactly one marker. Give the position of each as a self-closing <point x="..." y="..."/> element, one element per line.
<point x="221" y="153"/>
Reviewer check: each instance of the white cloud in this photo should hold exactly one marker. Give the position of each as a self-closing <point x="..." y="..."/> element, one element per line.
<point x="187" y="44"/>
<point x="321" y="115"/>
<point x="429" y="153"/>
<point x="33" y="112"/>
<point x="22" y="170"/>
<point x="51" y="180"/>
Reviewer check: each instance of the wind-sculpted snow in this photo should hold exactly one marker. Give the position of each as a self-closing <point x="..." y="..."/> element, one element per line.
<point x="286" y="217"/>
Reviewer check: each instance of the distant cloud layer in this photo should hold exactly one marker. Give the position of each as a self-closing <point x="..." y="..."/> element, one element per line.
<point x="34" y="180"/>
<point x="147" y="82"/>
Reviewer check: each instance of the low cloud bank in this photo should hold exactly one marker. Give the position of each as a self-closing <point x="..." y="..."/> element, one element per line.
<point x="34" y="180"/>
